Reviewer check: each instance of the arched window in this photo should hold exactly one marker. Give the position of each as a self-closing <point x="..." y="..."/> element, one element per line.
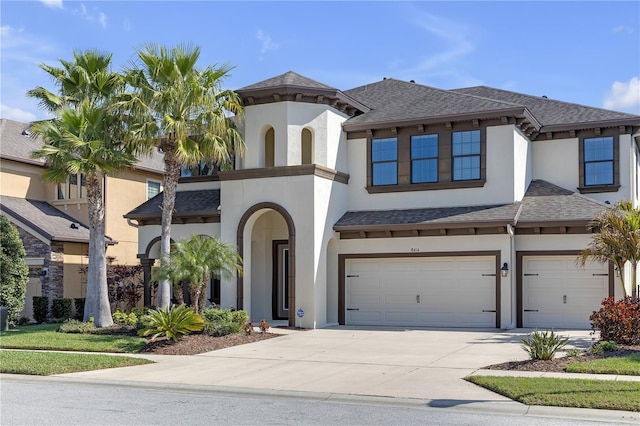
<point x="269" y="148"/>
<point x="307" y="147"/>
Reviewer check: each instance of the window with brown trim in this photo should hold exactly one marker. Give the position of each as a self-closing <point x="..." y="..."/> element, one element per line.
<point x="465" y="148"/>
<point x="599" y="162"/>
<point x="424" y="158"/>
<point x="384" y="161"/>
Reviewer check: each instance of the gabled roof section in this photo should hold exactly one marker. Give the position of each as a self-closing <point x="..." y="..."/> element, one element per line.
<point x="553" y="114"/>
<point x="395" y="103"/>
<point x="545" y="204"/>
<point x="17" y="144"/>
<point x="200" y="206"/>
<point x="46" y="220"/>
<point x="291" y="86"/>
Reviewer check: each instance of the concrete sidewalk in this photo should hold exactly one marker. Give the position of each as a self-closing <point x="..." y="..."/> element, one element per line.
<point x="395" y="363"/>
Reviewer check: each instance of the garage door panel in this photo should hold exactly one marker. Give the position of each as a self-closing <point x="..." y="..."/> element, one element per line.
<point x="422" y="291"/>
<point x="557" y="293"/>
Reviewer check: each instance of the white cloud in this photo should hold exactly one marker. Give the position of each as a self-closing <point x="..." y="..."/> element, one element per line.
<point x="88" y="15"/>
<point x="16" y="114"/>
<point x="624" y="96"/>
<point x="53" y="4"/>
<point x="623" y="29"/>
<point x="267" y="43"/>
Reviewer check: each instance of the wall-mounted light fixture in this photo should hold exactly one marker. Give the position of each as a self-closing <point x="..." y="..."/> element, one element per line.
<point x="504" y="270"/>
<point x="73" y="225"/>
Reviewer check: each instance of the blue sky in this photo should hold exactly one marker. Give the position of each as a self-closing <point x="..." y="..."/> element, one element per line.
<point x="582" y="52"/>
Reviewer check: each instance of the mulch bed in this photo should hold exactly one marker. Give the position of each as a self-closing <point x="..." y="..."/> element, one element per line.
<point x="558" y="365"/>
<point x="194" y="344"/>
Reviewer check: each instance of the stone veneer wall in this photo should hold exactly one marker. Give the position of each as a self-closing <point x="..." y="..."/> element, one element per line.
<point x="53" y="284"/>
<point x="33" y="246"/>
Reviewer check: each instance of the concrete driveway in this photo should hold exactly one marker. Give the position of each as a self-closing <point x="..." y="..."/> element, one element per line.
<point x="424" y="364"/>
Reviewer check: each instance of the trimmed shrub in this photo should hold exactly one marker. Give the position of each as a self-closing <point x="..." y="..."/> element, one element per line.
<point x="173" y="323"/>
<point x="543" y="344"/>
<point x="62" y="308"/>
<point x="77" y="327"/>
<point x="40" y="308"/>
<point x="619" y="321"/>
<point x="215" y="315"/>
<point x="78" y="304"/>
<point x="14" y="272"/>
<point x="218" y="329"/>
<point x="120" y="317"/>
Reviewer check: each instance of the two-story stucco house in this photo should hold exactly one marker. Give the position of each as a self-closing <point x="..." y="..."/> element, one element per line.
<point x="401" y="204"/>
<point x="51" y="218"/>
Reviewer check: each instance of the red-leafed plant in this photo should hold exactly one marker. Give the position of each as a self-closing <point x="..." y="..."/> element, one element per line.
<point x="618" y="321"/>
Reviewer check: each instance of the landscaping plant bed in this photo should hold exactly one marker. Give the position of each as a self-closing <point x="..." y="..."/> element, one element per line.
<point x="194" y="344"/>
<point x="560" y="364"/>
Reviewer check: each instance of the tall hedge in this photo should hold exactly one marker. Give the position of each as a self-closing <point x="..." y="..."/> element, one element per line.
<point x="14" y="272"/>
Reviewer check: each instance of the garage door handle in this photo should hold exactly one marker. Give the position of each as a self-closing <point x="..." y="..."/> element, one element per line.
<point x="600" y="275"/>
<point x="353" y="276"/>
<point x="488" y="275"/>
<point x="353" y="309"/>
<point x="488" y="310"/>
<point x="530" y="275"/>
<point x="531" y="310"/>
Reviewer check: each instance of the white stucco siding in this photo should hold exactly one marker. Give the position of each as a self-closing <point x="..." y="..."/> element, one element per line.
<point x="556" y="161"/>
<point x="449" y="246"/>
<point x="498" y="189"/>
<point x="288" y="119"/>
<point x="635" y="176"/>
<point x="522" y="165"/>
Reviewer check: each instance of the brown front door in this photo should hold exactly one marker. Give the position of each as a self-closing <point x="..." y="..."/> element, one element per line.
<point x="281" y="279"/>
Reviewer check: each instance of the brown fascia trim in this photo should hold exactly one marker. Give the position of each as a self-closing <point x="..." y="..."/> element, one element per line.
<point x="634" y="123"/>
<point x="32" y="162"/>
<point x="202" y="213"/>
<point x="266" y="95"/>
<point x="425" y="226"/>
<point x="148" y="170"/>
<point x="283" y="171"/>
<point x="554" y="227"/>
<point x="457" y="184"/>
<point x="208" y="178"/>
<point x="519" y="112"/>
<point x="108" y="241"/>
<point x="595" y="189"/>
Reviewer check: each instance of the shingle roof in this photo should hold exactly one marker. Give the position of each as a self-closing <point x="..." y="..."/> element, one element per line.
<point x="46" y="220"/>
<point x="395" y="100"/>
<point x="187" y="204"/>
<point x="16" y="144"/>
<point x="545" y="202"/>
<point x="289" y="78"/>
<point x="549" y="112"/>
<point x="490" y="215"/>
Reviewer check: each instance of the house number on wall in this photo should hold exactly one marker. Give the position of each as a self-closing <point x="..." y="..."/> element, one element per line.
<point x="414" y="250"/>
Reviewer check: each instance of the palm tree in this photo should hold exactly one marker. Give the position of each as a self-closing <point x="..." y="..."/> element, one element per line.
<point x="184" y="112"/>
<point x="196" y="260"/>
<point x="617" y="241"/>
<point x="85" y="137"/>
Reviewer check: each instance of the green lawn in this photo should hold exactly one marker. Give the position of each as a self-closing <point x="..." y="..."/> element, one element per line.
<point x="627" y="365"/>
<point x="47" y="363"/>
<point x="45" y="337"/>
<point x="581" y="393"/>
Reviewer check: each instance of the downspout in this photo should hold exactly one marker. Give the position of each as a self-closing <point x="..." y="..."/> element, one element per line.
<point x="512" y="250"/>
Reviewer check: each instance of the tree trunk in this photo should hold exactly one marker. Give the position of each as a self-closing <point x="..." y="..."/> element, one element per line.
<point x="171" y="176"/>
<point x="97" y="300"/>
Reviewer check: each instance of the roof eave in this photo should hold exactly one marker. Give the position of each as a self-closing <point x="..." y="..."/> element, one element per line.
<point x="419" y="226"/>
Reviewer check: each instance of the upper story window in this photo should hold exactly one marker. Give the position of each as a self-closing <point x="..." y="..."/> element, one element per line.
<point x="466" y="155"/>
<point x="74" y="188"/>
<point x="384" y="161"/>
<point x="424" y="158"/>
<point x="153" y="189"/>
<point x="307" y="147"/>
<point x="269" y="148"/>
<point x="598" y="161"/>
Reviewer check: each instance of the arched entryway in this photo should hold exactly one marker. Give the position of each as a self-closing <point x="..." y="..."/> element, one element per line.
<point x="266" y="241"/>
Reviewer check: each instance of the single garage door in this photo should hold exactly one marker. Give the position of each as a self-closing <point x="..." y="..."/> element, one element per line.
<point x="559" y="294"/>
<point x="425" y="291"/>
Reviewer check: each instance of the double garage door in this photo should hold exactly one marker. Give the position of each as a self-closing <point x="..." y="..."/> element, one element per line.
<point x="425" y="291"/>
<point x="556" y="293"/>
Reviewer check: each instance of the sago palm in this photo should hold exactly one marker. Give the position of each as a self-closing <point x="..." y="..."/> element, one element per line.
<point x="184" y="112"/>
<point x="86" y="136"/>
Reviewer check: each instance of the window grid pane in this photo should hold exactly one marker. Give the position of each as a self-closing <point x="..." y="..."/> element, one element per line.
<point x="466" y="168"/>
<point x="466" y="143"/>
<point x="424" y="171"/>
<point x="384" y="156"/>
<point x="424" y="158"/>
<point x="153" y="189"/>
<point x="466" y="155"/>
<point x="598" y="161"/>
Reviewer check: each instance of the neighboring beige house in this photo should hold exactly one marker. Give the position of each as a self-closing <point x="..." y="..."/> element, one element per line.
<point x="52" y="218"/>
<point x="400" y="204"/>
